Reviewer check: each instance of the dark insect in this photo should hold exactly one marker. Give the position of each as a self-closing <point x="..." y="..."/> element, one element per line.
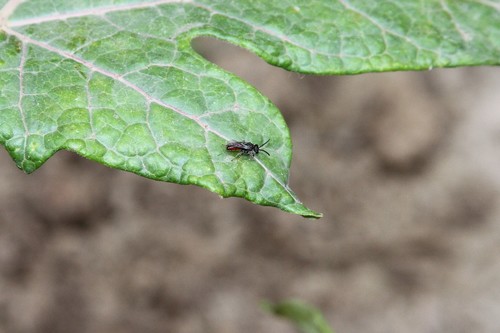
<point x="246" y="148"/>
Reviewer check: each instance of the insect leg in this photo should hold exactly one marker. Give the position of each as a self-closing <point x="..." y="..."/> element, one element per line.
<point x="237" y="155"/>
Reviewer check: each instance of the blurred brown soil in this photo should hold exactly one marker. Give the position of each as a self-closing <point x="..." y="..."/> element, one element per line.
<point x="404" y="166"/>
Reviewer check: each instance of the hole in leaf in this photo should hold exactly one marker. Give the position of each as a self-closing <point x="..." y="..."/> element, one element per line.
<point x="270" y="80"/>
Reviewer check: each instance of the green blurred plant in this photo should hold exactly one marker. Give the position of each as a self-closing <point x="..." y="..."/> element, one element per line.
<point x="305" y="317"/>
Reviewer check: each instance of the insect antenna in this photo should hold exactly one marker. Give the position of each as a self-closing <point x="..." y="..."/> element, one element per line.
<point x="265" y="143"/>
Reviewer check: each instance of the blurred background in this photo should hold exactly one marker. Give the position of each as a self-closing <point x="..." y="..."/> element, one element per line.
<point x="404" y="166"/>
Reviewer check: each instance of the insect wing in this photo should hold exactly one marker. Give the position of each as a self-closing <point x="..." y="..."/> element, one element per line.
<point x="238" y="146"/>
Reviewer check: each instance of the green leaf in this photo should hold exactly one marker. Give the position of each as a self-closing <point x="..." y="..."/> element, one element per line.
<point x="118" y="82"/>
<point x="305" y="317"/>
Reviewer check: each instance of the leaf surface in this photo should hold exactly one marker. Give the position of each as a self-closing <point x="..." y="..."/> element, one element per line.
<point x="118" y="82"/>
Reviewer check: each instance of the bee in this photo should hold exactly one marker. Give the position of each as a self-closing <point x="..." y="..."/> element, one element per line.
<point x="246" y="148"/>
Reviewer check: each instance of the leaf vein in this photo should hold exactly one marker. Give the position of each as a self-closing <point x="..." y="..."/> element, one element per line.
<point x="101" y="11"/>
<point x="22" y="62"/>
<point x="117" y="77"/>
